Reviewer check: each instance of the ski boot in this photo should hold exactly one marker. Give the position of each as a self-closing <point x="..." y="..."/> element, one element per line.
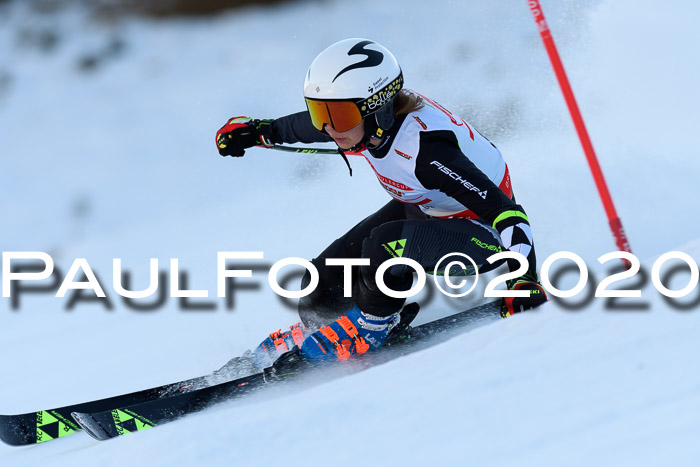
<point x="538" y="296"/>
<point x="278" y="343"/>
<point x="274" y="345"/>
<point x="402" y="331"/>
<point x="355" y="332"/>
<point x="288" y="365"/>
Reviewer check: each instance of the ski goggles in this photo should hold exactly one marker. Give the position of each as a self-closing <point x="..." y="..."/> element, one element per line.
<point x="341" y="115"/>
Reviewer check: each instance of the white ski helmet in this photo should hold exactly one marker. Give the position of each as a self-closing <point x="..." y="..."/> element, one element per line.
<point x="350" y="80"/>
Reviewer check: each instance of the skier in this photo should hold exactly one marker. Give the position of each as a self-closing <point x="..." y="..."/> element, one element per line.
<point x="451" y="192"/>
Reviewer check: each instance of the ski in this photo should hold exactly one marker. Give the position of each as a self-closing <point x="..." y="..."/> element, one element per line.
<point x="47" y="425"/>
<point x="113" y="422"/>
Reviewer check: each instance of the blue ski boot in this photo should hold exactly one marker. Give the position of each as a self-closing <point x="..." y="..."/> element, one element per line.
<point x="274" y="345"/>
<point x="355" y="332"/>
<point x="278" y="343"/>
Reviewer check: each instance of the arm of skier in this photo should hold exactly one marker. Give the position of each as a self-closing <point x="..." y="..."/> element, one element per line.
<point x="441" y="165"/>
<point x="297" y="128"/>
<point x="241" y="133"/>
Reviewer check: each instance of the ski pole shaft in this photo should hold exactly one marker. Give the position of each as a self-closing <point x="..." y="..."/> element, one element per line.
<point x="613" y="219"/>
<point x="280" y="147"/>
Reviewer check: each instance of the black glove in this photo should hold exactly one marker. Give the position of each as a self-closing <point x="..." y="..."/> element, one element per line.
<point x="240" y="133"/>
<point x="528" y="281"/>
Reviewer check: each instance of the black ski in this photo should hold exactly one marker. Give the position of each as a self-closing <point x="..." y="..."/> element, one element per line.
<point x="47" y="425"/>
<point x="113" y="422"/>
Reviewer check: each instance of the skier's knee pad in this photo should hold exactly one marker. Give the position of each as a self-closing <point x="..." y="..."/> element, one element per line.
<point x="384" y="243"/>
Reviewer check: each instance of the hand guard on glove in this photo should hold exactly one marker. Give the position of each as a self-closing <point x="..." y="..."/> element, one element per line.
<point x="512" y="305"/>
<point x="241" y="133"/>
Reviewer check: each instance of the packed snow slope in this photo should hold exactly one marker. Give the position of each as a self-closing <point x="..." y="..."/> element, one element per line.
<point x="107" y="151"/>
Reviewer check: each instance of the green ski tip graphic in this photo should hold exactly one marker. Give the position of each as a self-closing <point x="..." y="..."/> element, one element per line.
<point x="51" y="426"/>
<point x="127" y="422"/>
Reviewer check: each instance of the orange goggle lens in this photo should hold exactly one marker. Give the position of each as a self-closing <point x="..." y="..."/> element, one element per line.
<point x="341" y="115"/>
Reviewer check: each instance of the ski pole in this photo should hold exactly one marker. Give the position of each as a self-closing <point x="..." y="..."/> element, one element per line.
<point x="280" y="147"/>
<point x="614" y="220"/>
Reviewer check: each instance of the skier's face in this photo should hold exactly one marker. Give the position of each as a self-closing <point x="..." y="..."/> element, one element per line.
<point x="346" y="139"/>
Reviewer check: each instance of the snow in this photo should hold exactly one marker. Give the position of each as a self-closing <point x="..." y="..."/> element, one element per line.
<point x="119" y="162"/>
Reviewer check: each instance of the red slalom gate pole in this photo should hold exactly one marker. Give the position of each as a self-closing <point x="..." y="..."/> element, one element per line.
<point x="614" y="220"/>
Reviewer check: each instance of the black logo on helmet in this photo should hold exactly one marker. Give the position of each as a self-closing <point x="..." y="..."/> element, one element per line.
<point x="374" y="58"/>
